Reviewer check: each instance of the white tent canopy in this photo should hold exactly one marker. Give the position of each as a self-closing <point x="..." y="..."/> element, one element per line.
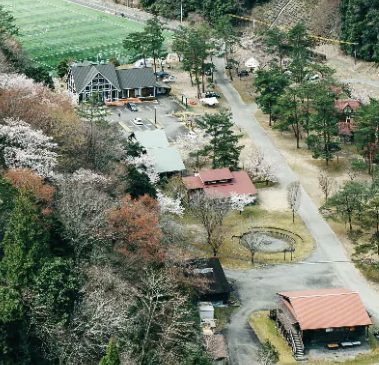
<point x="252" y="63"/>
<point x="209" y="101"/>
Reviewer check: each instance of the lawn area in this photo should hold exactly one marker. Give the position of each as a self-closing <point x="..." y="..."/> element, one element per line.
<point x="233" y="254"/>
<point x="51" y="30"/>
<point x="265" y="329"/>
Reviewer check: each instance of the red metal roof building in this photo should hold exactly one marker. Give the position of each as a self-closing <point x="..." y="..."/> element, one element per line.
<point x="335" y="316"/>
<point x="220" y="183"/>
<point x="346" y="110"/>
<point x="327" y="308"/>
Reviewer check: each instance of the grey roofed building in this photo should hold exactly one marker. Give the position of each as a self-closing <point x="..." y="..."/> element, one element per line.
<point x="87" y="79"/>
<point x="152" y="139"/>
<point x="167" y="159"/>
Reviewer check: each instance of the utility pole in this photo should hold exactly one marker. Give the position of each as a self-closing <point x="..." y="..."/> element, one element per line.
<point x="181" y="11"/>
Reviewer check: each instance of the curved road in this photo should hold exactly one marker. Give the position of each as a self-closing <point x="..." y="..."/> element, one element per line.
<point x="328" y="266"/>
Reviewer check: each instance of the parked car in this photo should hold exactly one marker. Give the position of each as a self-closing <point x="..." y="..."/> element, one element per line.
<point x="229" y="66"/>
<point x="137" y="121"/>
<point x="243" y="73"/>
<point x="169" y="79"/>
<point x="162" y="74"/>
<point x="212" y="94"/>
<point x="132" y="107"/>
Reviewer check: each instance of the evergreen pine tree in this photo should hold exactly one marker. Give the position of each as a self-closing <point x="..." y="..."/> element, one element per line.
<point x="223" y="147"/>
<point x="24" y="244"/>
<point x="112" y="356"/>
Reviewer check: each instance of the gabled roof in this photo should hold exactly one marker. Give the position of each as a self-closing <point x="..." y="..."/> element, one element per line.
<point x="238" y="182"/>
<point x="217" y="282"/>
<point x="83" y="74"/>
<point x="326" y="308"/>
<point x="166" y="159"/>
<point x="340" y="105"/>
<point x="152" y="139"/>
<point x="215" y="175"/>
<point x="136" y="77"/>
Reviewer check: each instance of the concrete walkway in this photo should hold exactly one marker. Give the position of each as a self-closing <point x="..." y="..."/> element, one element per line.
<point x="328" y="266"/>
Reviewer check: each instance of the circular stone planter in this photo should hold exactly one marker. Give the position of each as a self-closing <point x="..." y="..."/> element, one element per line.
<point x="275" y="239"/>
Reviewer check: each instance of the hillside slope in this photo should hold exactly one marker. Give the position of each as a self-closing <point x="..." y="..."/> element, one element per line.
<point x="321" y="16"/>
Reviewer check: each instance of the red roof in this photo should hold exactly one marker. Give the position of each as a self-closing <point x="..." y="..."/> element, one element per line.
<point x="215" y="175"/>
<point x="346" y="128"/>
<point x="326" y="308"/>
<point x="238" y="183"/>
<point x="340" y="105"/>
<point x="193" y="182"/>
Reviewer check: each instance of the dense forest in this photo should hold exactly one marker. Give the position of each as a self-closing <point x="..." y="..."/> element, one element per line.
<point x="360" y="25"/>
<point x="210" y="9"/>
<point x="88" y="272"/>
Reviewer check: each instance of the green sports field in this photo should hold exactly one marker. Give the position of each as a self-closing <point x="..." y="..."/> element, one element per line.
<point x="52" y="30"/>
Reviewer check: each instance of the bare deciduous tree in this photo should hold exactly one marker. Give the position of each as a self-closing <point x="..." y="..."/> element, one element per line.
<point x="211" y="211"/>
<point x="326" y="183"/>
<point x="161" y="318"/>
<point x="294" y="197"/>
<point x="255" y="242"/>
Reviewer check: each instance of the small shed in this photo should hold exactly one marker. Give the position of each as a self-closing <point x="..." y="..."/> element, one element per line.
<point x="217" y="288"/>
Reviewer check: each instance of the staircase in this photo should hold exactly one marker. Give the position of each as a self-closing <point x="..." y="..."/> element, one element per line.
<point x="292" y="336"/>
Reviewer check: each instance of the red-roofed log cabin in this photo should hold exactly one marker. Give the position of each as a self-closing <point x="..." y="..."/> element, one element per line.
<point x="326" y="316"/>
<point x="220" y="183"/>
<point x="346" y="110"/>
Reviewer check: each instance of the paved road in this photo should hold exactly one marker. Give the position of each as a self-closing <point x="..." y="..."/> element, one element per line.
<point x="328" y="266"/>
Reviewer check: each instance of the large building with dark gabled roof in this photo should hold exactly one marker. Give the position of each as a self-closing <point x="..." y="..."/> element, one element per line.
<point x="87" y="79"/>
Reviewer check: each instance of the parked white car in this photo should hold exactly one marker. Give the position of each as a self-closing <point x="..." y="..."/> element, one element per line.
<point x="137" y="121"/>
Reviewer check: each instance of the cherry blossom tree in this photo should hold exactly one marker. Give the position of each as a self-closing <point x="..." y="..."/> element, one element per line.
<point x="240" y="201"/>
<point x="81" y="206"/>
<point x="24" y="147"/>
<point x="169" y="205"/>
<point x="146" y="164"/>
<point x="18" y="81"/>
<point x="188" y="146"/>
<point x="260" y="169"/>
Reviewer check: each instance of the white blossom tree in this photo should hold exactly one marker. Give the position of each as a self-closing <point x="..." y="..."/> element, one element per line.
<point x="260" y="169"/>
<point x="17" y="81"/>
<point x="189" y="144"/>
<point x="24" y="147"/>
<point x="240" y="201"/>
<point x="81" y="206"/>
<point x="169" y="205"/>
<point x="145" y="164"/>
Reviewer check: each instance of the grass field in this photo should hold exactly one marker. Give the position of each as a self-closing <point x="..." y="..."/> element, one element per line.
<point x="52" y="30"/>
